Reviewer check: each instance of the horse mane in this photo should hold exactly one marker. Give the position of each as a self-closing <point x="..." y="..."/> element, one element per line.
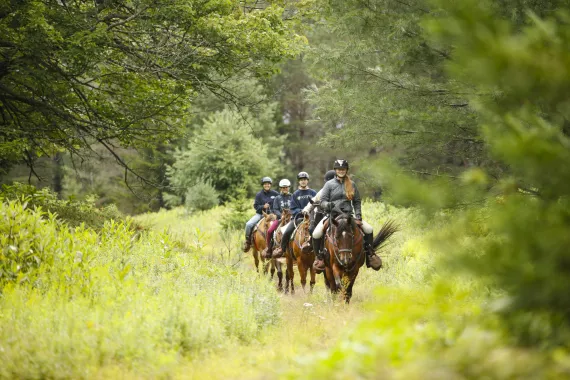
<point x="343" y="223"/>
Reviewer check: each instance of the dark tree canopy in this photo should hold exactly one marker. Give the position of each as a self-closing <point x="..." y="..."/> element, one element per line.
<point x="74" y="73"/>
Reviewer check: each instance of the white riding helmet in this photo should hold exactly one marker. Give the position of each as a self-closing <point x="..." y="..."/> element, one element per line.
<point x="284" y="183"/>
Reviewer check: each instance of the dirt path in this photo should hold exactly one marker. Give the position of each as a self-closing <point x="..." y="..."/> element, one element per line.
<point x="310" y="323"/>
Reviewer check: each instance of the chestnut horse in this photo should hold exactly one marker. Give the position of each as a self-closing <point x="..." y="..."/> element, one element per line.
<point x="279" y="262"/>
<point x="345" y="252"/>
<point x="258" y="242"/>
<point x="295" y="255"/>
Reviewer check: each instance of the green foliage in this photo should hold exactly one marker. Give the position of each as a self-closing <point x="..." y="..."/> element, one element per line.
<point x="240" y="212"/>
<point x="526" y="127"/>
<point x="78" y="73"/>
<point x="226" y="152"/>
<point x="72" y="212"/>
<point x="118" y="301"/>
<point x="27" y="242"/>
<point x="201" y="197"/>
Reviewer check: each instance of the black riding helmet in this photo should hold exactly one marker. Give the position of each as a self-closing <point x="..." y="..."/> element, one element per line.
<point x="329" y="175"/>
<point x="266" y="180"/>
<point x="340" y="164"/>
<point x="303" y="175"/>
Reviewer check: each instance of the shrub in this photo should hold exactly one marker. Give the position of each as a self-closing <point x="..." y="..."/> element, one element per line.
<point x="201" y="197"/>
<point x="72" y="212"/>
<point x="106" y="301"/>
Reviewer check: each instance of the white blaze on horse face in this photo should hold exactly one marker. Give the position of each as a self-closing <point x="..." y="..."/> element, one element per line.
<point x="343" y="234"/>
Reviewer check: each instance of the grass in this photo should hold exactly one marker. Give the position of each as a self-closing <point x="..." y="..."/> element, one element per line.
<point x="182" y="301"/>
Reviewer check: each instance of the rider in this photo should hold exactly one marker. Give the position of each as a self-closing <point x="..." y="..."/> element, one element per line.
<point x="280" y="203"/>
<point x="318" y="215"/>
<point x="263" y="201"/>
<point x="343" y="193"/>
<point x="300" y="199"/>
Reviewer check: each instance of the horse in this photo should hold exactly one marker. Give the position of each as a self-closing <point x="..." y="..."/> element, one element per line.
<point x="258" y="242"/>
<point x="345" y="252"/>
<point x="295" y="255"/>
<point x="279" y="262"/>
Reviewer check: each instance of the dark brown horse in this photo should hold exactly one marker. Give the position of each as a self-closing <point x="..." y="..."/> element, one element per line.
<point x="258" y="242"/>
<point x="279" y="263"/>
<point x="345" y="251"/>
<point x="303" y="260"/>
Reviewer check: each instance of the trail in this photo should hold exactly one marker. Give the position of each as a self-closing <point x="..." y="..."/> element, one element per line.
<point x="309" y="323"/>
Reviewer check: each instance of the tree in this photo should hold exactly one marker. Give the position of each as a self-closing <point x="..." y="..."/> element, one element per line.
<point x="121" y="72"/>
<point x="226" y="153"/>
<point x="523" y="248"/>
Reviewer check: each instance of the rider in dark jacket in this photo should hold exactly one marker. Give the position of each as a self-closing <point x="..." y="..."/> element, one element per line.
<point x="282" y="202"/>
<point x="300" y="199"/>
<point x="263" y="203"/>
<point x="343" y="194"/>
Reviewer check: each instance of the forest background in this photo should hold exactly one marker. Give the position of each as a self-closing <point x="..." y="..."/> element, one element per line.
<point x="455" y="114"/>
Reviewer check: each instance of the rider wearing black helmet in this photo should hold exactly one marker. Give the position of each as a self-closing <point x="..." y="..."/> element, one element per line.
<point x="342" y="193"/>
<point x="263" y="202"/>
<point x="300" y="199"/>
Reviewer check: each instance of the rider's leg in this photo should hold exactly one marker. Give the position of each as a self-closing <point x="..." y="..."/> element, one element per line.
<point x="248" y="227"/>
<point x="319" y="264"/>
<point x="278" y="251"/>
<point x="372" y="259"/>
<point x="269" y="239"/>
<point x="285" y="239"/>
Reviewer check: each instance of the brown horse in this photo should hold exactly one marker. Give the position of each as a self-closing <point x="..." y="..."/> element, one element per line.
<point x="277" y="236"/>
<point x="295" y="255"/>
<point x="258" y="242"/>
<point x="345" y="251"/>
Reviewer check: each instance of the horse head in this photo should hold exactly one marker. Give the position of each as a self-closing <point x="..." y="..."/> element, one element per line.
<point x="267" y="219"/>
<point x="285" y="216"/>
<point x="343" y="233"/>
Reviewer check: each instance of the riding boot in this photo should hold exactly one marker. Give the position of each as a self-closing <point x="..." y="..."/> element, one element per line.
<point x="247" y="243"/>
<point x="372" y="259"/>
<point x="279" y="250"/>
<point x="319" y="263"/>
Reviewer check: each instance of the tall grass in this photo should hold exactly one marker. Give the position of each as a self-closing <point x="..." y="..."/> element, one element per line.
<point x="119" y="302"/>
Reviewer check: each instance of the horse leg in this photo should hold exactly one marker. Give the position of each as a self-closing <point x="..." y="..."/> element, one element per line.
<point x="287" y="279"/>
<point x="291" y="273"/>
<point x="312" y="283"/>
<point x="279" y="277"/>
<point x="256" y="259"/>
<point x="271" y="263"/>
<point x="348" y="291"/>
<point x="302" y="273"/>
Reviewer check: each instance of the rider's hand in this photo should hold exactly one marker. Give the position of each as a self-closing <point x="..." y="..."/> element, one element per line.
<point x="266" y="205"/>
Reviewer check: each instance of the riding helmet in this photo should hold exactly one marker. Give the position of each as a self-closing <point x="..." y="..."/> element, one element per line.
<point x="266" y="180"/>
<point x="284" y="183"/>
<point x="303" y="175"/>
<point x="340" y="164"/>
<point x="329" y="175"/>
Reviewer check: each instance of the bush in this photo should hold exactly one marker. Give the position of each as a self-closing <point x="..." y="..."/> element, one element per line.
<point x="104" y="301"/>
<point x="201" y="197"/>
<point x="72" y="212"/>
<point x="240" y="212"/>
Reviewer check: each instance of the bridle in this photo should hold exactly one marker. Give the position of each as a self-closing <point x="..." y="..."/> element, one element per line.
<point x="337" y="251"/>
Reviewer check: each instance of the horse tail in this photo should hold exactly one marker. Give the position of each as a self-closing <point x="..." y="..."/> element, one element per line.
<point x="387" y="230"/>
